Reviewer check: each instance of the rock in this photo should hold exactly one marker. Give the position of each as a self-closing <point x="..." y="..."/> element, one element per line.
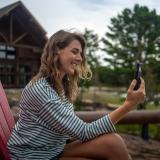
<point x="141" y="149"/>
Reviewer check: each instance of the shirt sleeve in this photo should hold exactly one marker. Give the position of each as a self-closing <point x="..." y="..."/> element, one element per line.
<point x="58" y="116"/>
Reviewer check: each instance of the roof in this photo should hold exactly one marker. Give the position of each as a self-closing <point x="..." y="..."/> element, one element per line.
<point x="7" y="9"/>
<point x="27" y="20"/>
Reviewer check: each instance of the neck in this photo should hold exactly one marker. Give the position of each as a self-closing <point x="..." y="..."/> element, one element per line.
<point x="62" y="74"/>
<point x="61" y="77"/>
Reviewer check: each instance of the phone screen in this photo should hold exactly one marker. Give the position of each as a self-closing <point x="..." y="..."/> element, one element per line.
<point x="138" y="74"/>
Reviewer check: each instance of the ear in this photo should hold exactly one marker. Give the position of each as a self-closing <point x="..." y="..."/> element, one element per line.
<point x="59" y="51"/>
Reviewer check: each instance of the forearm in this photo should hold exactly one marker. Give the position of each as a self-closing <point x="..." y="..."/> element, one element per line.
<point x="119" y="113"/>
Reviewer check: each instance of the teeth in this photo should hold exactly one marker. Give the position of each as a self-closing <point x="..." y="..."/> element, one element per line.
<point x="74" y="65"/>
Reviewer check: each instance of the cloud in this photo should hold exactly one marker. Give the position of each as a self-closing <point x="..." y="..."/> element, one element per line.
<point x="66" y="14"/>
<point x="91" y="4"/>
<point x="95" y="15"/>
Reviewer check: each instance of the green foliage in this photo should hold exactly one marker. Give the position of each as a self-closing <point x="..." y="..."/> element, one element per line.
<point x="154" y="131"/>
<point x="116" y="76"/>
<point x="92" y="48"/>
<point x="130" y="129"/>
<point x="78" y="106"/>
<point x="135" y="35"/>
<point x="135" y="129"/>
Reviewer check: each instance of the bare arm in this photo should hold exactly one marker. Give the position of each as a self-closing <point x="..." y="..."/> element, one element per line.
<point x="132" y="100"/>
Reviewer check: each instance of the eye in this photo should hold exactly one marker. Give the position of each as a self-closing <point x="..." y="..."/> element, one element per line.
<point x="74" y="52"/>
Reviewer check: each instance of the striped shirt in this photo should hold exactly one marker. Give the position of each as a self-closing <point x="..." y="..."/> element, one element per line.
<point x="46" y="122"/>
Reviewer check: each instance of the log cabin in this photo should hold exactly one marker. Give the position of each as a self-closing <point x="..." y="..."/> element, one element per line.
<point x="22" y="40"/>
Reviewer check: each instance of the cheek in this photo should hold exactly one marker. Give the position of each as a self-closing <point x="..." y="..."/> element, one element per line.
<point x="63" y="62"/>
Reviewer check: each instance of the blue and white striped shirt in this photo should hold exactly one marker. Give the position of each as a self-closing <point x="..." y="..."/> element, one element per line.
<point x="46" y="122"/>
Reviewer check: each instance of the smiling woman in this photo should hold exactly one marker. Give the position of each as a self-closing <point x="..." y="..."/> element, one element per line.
<point x="70" y="58"/>
<point x="63" y="61"/>
<point x="47" y="120"/>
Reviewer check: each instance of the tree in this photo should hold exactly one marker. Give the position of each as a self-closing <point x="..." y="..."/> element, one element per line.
<point x="92" y="41"/>
<point x="92" y="47"/>
<point x="135" y="35"/>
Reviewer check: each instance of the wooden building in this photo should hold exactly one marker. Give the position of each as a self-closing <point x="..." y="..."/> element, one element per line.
<point x="22" y="40"/>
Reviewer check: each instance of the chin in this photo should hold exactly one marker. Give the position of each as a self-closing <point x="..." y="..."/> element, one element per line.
<point x="71" y="72"/>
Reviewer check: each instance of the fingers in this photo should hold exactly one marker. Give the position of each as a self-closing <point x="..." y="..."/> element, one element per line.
<point x="142" y="86"/>
<point x="142" y="89"/>
<point x="142" y="83"/>
<point x="137" y="96"/>
<point x="132" y="85"/>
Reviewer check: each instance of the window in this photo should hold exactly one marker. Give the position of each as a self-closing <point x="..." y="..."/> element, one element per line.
<point x="7" y="52"/>
<point x="2" y="54"/>
<point x="11" y="55"/>
<point x="9" y="48"/>
<point x="7" y="74"/>
<point x="2" y="46"/>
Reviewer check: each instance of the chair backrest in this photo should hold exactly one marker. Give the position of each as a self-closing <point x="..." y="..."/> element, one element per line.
<point x="6" y="123"/>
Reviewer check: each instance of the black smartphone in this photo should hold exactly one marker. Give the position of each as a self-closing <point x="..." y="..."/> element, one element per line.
<point x="138" y="74"/>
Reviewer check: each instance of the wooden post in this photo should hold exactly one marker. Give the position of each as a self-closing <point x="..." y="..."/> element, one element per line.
<point x="145" y="131"/>
<point x="17" y="76"/>
<point x="11" y="29"/>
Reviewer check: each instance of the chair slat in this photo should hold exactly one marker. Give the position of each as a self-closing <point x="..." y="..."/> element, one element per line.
<point x="6" y="123"/>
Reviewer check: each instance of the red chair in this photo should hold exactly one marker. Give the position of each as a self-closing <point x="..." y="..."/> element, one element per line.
<point x="6" y="123"/>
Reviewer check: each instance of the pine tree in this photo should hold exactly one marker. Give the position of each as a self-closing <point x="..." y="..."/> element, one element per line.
<point x="135" y="35"/>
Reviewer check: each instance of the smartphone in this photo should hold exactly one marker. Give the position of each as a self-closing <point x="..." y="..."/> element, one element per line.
<point x="138" y="74"/>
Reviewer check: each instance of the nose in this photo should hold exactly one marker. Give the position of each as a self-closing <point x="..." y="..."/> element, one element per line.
<point x="79" y="58"/>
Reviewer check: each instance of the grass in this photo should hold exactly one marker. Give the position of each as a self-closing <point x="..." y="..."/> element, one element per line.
<point x="152" y="106"/>
<point x="135" y="129"/>
<point x="130" y="129"/>
<point x="110" y="97"/>
<point x="102" y="97"/>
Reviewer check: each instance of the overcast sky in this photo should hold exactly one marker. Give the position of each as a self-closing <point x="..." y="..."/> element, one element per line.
<point x="66" y="14"/>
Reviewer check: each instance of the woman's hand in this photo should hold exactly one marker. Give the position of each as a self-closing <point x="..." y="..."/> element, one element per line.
<point x="134" y="97"/>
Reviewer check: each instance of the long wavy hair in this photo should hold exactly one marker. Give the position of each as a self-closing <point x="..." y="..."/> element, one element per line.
<point x="50" y="65"/>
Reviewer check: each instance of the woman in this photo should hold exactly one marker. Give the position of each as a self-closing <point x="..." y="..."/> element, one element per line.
<point x="47" y="120"/>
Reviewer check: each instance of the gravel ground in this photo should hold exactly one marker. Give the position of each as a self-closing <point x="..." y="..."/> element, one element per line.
<point x="142" y="149"/>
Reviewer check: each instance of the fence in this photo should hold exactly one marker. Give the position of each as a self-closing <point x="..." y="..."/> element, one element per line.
<point x="142" y="117"/>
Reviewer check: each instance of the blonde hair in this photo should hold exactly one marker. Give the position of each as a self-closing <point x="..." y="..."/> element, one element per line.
<point x="50" y="66"/>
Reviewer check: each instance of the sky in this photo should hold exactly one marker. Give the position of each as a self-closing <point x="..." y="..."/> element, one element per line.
<point x="95" y="15"/>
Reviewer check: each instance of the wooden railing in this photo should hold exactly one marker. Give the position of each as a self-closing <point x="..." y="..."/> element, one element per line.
<point x="142" y="117"/>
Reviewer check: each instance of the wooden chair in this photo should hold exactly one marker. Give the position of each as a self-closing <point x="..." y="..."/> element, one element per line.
<point x="6" y="123"/>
